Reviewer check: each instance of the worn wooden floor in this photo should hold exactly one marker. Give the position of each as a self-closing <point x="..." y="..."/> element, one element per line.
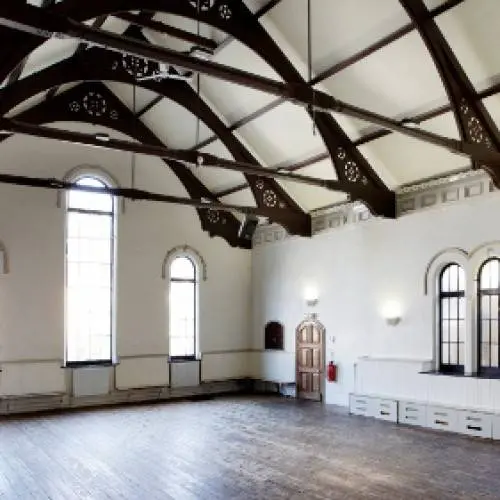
<point x="237" y="448"/>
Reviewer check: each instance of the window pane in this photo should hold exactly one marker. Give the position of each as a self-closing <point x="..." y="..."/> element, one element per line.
<point x="494" y="306"/>
<point x="89" y="274"/>
<point x="461" y="307"/>
<point x="494" y="355"/>
<point x="445" y="308"/>
<point x="445" y="331"/>
<point x="445" y="280"/>
<point x="453" y="277"/>
<point x="90" y="201"/>
<point x="453" y="354"/>
<point x="453" y="331"/>
<point x="182" y="268"/>
<point x="461" y="331"/>
<point x="461" y="279"/>
<point x="485" y="306"/>
<point x="182" y="310"/>
<point x="494" y="332"/>
<point x="485" y="355"/>
<point x="444" y="354"/>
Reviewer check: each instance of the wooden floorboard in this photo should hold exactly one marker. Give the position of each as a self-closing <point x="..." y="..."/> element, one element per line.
<point x="237" y="448"/>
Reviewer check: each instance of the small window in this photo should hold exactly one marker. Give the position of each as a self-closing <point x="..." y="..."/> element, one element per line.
<point x="488" y="317"/>
<point x="183" y="308"/>
<point x="90" y="223"/>
<point x="452" y="319"/>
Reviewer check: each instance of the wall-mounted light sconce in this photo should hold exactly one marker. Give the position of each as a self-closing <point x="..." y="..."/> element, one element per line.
<point x="391" y="312"/>
<point x="311" y="296"/>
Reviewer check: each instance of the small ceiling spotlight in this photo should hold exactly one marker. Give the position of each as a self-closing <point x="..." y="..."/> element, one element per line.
<point x="199" y="161"/>
<point x="410" y="123"/>
<point x="101" y="136"/>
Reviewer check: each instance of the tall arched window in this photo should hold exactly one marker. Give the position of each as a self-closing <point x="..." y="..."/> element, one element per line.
<point x="452" y="319"/>
<point x="90" y="224"/>
<point x="489" y="317"/>
<point x="183" y="308"/>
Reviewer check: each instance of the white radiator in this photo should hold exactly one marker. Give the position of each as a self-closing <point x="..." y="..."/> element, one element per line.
<point x="185" y="374"/>
<point x="91" y="381"/>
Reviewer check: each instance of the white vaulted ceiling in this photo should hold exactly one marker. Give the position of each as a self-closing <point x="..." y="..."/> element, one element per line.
<point x="399" y="80"/>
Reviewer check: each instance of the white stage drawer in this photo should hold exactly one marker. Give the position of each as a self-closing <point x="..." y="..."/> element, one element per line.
<point x="441" y="418"/>
<point x="359" y="405"/>
<point x="384" y="409"/>
<point x="475" y="423"/>
<point x="412" y="413"/>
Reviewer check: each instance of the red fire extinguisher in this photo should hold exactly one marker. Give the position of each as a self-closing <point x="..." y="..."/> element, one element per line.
<point x="331" y="372"/>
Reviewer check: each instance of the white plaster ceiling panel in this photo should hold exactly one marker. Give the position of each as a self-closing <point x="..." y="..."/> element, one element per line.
<point x="231" y="100"/>
<point x="218" y="179"/>
<point x="409" y="160"/>
<point x="283" y="135"/>
<point x="312" y="197"/>
<point x="27" y="104"/>
<point x="113" y="24"/>
<point x="442" y="125"/>
<point x="378" y="165"/>
<point x="153" y="174"/>
<point x="471" y="29"/>
<point x="244" y="197"/>
<point x="398" y="80"/>
<point x="125" y="93"/>
<point x="255" y="5"/>
<point x="340" y="28"/>
<point x="492" y="105"/>
<point x="432" y="4"/>
<point x="50" y="52"/>
<point x="174" y="125"/>
<point x="185" y="24"/>
<point x="353" y="127"/>
<point x="322" y="170"/>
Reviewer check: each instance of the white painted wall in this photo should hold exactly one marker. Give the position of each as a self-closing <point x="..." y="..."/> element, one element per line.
<point x="32" y="293"/>
<point x="356" y="270"/>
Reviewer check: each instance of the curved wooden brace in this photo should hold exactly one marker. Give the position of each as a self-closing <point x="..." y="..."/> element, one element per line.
<point x="120" y="118"/>
<point x="97" y="64"/>
<point x="184" y="250"/>
<point x="233" y="17"/>
<point x="473" y="120"/>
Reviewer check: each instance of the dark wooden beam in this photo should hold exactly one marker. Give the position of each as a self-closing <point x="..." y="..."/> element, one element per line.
<point x="36" y="21"/>
<point x="133" y="194"/>
<point x="18" y="70"/>
<point x="258" y="14"/>
<point x="149" y="106"/>
<point x="372" y="136"/>
<point x="340" y="66"/>
<point x="81" y="47"/>
<point x="201" y="160"/>
<point x="475" y="124"/>
<point x="143" y="21"/>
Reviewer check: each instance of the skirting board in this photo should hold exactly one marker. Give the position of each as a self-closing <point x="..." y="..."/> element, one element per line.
<point x="46" y="402"/>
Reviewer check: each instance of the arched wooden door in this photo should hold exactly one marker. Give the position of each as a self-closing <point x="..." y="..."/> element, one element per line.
<point x="310" y="359"/>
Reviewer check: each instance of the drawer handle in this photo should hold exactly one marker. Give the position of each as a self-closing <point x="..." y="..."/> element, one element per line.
<point x="441" y="422"/>
<point x="474" y="428"/>
<point x="384" y="412"/>
<point x="410" y="417"/>
<point x="441" y="413"/>
<point x="410" y="408"/>
<point x="474" y="419"/>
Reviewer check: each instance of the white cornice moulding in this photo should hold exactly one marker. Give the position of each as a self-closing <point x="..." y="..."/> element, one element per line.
<point x="412" y="198"/>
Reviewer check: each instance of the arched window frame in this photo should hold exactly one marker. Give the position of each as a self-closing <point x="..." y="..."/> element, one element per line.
<point x="200" y="275"/>
<point x="492" y="294"/>
<point x="74" y="175"/>
<point x="452" y="315"/>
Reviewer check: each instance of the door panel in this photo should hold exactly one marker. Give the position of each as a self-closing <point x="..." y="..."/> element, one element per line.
<point x="309" y="360"/>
